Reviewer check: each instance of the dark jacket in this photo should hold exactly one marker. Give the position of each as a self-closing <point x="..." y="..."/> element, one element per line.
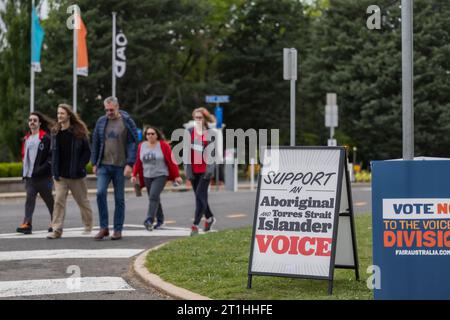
<point x="81" y="152"/>
<point x="42" y="164"/>
<point x="98" y="139"/>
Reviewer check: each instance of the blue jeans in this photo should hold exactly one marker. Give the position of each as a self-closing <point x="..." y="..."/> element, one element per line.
<point x="106" y="173"/>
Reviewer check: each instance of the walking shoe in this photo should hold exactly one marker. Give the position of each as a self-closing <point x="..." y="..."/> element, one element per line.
<point x="148" y="226"/>
<point x="50" y="229"/>
<point x="55" y="234"/>
<point x="158" y="225"/>
<point x="25" y="228"/>
<point x="208" y="223"/>
<point x="101" y="234"/>
<point x="117" y="235"/>
<point x="194" y="230"/>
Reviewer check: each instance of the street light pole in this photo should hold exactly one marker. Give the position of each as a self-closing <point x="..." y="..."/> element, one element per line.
<point x="407" y="80"/>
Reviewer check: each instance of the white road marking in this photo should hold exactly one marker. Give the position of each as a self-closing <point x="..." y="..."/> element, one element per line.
<point x="69" y="254"/>
<point x="77" y="233"/>
<point x="360" y="204"/>
<point x="236" y="215"/>
<point x="62" y="286"/>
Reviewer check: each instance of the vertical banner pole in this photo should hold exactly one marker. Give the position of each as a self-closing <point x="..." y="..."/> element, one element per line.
<point x="75" y="53"/>
<point x="31" y="61"/>
<point x="114" y="54"/>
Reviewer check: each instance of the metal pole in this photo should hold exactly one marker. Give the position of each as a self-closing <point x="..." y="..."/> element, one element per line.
<point x="292" y="113"/>
<point x="235" y="175"/>
<point x="75" y="53"/>
<point x="407" y="80"/>
<point x="31" y="67"/>
<point x="252" y="174"/>
<point x="114" y="54"/>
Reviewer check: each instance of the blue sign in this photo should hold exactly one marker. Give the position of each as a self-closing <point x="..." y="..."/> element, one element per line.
<point x="217" y="99"/>
<point x="411" y="229"/>
<point x="218" y="112"/>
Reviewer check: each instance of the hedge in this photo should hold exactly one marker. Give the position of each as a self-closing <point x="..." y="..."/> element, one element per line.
<point x="14" y="169"/>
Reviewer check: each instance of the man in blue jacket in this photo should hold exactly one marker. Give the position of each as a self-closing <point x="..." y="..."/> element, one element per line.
<point x="114" y="143"/>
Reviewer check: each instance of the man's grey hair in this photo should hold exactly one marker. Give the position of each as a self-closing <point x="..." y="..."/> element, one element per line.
<point x="111" y="100"/>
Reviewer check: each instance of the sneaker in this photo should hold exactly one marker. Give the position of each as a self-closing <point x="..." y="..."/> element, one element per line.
<point x="50" y="229"/>
<point x="25" y="228"/>
<point x="158" y="225"/>
<point x="208" y="223"/>
<point x="148" y="226"/>
<point x="194" y="230"/>
<point x="55" y="235"/>
<point x="117" y="235"/>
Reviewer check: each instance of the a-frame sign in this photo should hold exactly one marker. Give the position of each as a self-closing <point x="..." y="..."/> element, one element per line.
<point x="304" y="221"/>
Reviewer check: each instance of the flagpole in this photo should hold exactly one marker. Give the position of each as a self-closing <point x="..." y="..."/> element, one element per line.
<point x="31" y="64"/>
<point x="75" y="52"/>
<point x="114" y="54"/>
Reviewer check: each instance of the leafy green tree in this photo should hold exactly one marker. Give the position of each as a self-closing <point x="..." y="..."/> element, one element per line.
<point x="253" y="58"/>
<point x="14" y="77"/>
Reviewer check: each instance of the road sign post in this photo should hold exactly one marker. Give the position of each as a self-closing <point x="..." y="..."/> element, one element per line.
<point x="219" y="125"/>
<point x="331" y="117"/>
<point x="290" y="73"/>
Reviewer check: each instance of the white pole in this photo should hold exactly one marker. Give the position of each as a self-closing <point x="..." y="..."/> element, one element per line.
<point x="31" y="67"/>
<point x="75" y="52"/>
<point x="235" y="175"/>
<point x="114" y="54"/>
<point x="252" y="174"/>
<point x="292" y="113"/>
<point x="407" y="80"/>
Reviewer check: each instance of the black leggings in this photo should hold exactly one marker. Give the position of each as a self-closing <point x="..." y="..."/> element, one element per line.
<point x="200" y="187"/>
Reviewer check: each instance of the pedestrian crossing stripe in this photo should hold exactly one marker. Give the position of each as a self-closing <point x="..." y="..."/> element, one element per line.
<point x="69" y="254"/>
<point x="78" y="233"/>
<point x="62" y="286"/>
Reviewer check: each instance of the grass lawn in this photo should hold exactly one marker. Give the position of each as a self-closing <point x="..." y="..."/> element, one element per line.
<point x="216" y="265"/>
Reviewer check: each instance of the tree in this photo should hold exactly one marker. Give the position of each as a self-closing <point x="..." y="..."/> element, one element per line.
<point x="14" y="77"/>
<point x="253" y="58"/>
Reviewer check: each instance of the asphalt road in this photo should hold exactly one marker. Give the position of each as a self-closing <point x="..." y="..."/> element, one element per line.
<point x="108" y="266"/>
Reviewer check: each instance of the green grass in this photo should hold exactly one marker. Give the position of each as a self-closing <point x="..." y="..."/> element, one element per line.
<point x="216" y="265"/>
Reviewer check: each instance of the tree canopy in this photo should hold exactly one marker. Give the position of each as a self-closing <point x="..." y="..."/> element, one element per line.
<point x="179" y="51"/>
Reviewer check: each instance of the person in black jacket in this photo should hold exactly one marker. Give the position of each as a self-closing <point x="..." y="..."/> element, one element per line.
<point x="70" y="155"/>
<point x="36" y="156"/>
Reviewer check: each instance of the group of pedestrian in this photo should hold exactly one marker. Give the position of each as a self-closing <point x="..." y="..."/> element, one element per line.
<point x="57" y="153"/>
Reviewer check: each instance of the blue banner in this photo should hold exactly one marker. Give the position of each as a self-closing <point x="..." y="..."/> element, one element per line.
<point x="37" y="38"/>
<point x="411" y="229"/>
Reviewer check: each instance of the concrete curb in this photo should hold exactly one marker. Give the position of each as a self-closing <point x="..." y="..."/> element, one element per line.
<point x="161" y="285"/>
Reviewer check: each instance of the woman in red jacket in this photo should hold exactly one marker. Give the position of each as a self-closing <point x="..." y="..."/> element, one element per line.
<point x="154" y="165"/>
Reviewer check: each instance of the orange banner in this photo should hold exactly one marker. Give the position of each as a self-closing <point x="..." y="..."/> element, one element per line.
<point x="82" y="53"/>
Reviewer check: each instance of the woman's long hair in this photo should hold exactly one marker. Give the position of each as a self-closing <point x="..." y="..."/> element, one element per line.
<point x="159" y="134"/>
<point x="46" y="122"/>
<point x="78" y="127"/>
<point x="208" y="117"/>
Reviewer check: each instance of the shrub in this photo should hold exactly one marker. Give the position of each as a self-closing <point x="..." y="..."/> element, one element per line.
<point x="10" y="169"/>
<point x="363" y="176"/>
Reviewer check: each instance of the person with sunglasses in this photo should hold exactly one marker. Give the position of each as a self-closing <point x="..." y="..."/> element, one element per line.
<point x="114" y="144"/>
<point x="155" y="165"/>
<point x="37" y="174"/>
